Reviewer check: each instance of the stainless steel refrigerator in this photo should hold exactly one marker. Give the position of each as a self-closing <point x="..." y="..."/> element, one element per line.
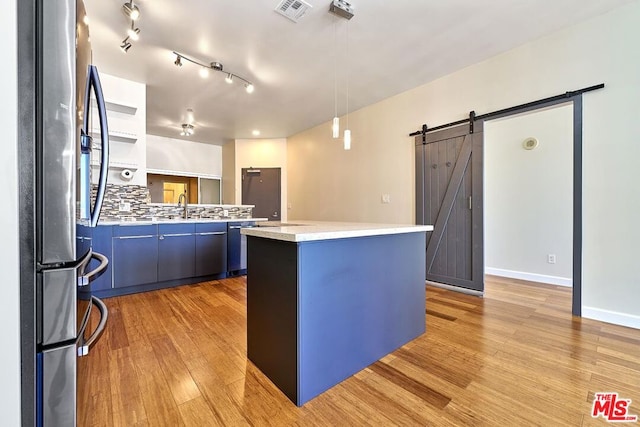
<point x="65" y="210"/>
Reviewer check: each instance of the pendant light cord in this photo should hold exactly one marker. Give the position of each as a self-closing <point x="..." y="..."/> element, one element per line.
<point x="335" y="66"/>
<point x="347" y="72"/>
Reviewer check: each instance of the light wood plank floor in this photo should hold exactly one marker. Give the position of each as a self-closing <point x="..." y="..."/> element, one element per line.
<point x="516" y="357"/>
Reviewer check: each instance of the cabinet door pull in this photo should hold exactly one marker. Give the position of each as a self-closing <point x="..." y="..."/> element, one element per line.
<point x="210" y="233"/>
<point x="146" y="236"/>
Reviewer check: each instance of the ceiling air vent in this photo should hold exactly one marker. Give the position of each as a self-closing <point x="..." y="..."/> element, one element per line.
<point x="293" y="9"/>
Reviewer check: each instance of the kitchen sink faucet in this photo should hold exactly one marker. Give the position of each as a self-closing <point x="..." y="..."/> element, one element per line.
<point x="182" y="197"/>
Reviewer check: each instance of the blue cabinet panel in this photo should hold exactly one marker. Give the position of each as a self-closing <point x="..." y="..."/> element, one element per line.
<point x="101" y="243"/>
<point x="176" y="252"/>
<point x="135" y="257"/>
<point x="211" y="251"/>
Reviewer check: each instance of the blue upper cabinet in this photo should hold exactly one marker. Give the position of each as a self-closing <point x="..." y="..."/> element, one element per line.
<point x="176" y="251"/>
<point x="135" y="255"/>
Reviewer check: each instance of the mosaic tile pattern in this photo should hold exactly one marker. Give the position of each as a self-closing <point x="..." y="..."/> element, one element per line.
<point x="136" y="198"/>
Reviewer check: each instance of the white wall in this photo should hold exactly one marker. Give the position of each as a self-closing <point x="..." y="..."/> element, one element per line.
<point x="9" y="262"/>
<point x="382" y="158"/>
<point x="262" y="153"/>
<point x="178" y="155"/>
<point x="133" y="94"/>
<point x="528" y="195"/>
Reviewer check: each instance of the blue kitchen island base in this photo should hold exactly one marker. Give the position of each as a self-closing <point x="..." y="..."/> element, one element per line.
<point x="320" y="311"/>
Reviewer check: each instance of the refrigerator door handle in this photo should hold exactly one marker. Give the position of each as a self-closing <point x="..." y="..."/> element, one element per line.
<point x="94" y="82"/>
<point x="85" y="346"/>
<point x="85" y="279"/>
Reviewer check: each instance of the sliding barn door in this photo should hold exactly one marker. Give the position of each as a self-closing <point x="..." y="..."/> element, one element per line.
<point x="449" y="197"/>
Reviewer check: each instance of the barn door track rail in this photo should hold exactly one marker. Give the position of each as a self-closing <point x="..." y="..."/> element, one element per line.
<point x="522" y="107"/>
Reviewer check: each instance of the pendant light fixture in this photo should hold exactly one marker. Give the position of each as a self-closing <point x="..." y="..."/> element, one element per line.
<point x="344" y="10"/>
<point x="347" y="132"/>
<point x="335" y="127"/>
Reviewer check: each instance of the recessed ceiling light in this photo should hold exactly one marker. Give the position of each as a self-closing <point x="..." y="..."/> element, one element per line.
<point x="204" y="72"/>
<point x="255" y="132"/>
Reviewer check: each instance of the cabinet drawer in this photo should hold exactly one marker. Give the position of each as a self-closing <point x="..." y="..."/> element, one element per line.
<point x="211" y="227"/>
<point x="176" y="228"/>
<point x="135" y="230"/>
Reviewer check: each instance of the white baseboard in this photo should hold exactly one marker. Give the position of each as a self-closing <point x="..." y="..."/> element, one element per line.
<point x="614" y="317"/>
<point x="531" y="277"/>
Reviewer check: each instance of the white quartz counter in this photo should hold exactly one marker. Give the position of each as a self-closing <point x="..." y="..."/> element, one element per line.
<point x="304" y="231"/>
<point x="179" y="221"/>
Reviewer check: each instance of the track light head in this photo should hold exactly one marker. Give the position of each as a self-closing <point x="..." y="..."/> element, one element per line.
<point x="229" y="78"/>
<point x="125" y="46"/>
<point x="178" y="61"/>
<point x="134" y="33"/>
<point x="249" y="87"/>
<point x="131" y="10"/>
<point x="217" y="66"/>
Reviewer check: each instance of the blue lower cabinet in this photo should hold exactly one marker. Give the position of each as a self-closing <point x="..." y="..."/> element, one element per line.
<point x="135" y="255"/>
<point x="176" y="251"/>
<point x="211" y="249"/>
<point x="101" y="243"/>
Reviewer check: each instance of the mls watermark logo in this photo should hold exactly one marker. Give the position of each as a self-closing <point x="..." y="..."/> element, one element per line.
<point x="612" y="408"/>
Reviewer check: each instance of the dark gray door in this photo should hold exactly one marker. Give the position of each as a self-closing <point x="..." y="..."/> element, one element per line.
<point x="449" y="197"/>
<point x="261" y="187"/>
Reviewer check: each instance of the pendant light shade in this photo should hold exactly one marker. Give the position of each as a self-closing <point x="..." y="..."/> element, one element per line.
<point x="336" y="127"/>
<point x="347" y="139"/>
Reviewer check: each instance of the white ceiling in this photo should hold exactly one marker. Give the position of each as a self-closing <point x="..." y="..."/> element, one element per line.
<point x="392" y="46"/>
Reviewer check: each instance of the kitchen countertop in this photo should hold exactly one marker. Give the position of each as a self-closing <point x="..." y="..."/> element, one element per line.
<point x="304" y="231"/>
<point x="178" y="221"/>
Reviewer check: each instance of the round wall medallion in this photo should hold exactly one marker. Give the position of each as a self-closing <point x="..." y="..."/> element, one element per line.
<point x="530" y="143"/>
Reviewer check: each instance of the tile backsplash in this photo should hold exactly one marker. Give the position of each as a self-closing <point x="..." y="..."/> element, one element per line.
<point x="132" y="202"/>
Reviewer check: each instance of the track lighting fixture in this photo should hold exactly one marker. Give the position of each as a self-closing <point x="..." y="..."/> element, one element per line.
<point x="125" y="46"/>
<point x="216" y="66"/>
<point x="187" y="129"/>
<point x="131" y="10"/>
<point x="133" y="33"/>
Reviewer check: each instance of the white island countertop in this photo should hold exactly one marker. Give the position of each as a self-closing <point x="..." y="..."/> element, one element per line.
<point x="305" y="231"/>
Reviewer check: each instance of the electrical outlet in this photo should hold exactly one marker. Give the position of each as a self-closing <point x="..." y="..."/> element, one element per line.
<point x="386" y="198"/>
<point x="551" y="258"/>
<point x="124" y="207"/>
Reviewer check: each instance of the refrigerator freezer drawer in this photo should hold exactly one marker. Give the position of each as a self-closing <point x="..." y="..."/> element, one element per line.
<point x="57" y="384"/>
<point x="60" y="310"/>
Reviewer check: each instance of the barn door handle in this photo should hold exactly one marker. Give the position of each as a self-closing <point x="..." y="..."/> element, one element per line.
<point x="275" y="214"/>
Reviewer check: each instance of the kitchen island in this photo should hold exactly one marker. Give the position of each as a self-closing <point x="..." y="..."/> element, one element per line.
<point x="325" y="300"/>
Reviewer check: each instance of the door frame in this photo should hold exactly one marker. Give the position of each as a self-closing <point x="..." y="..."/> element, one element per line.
<point x="575" y="99"/>
<point x="576" y="102"/>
